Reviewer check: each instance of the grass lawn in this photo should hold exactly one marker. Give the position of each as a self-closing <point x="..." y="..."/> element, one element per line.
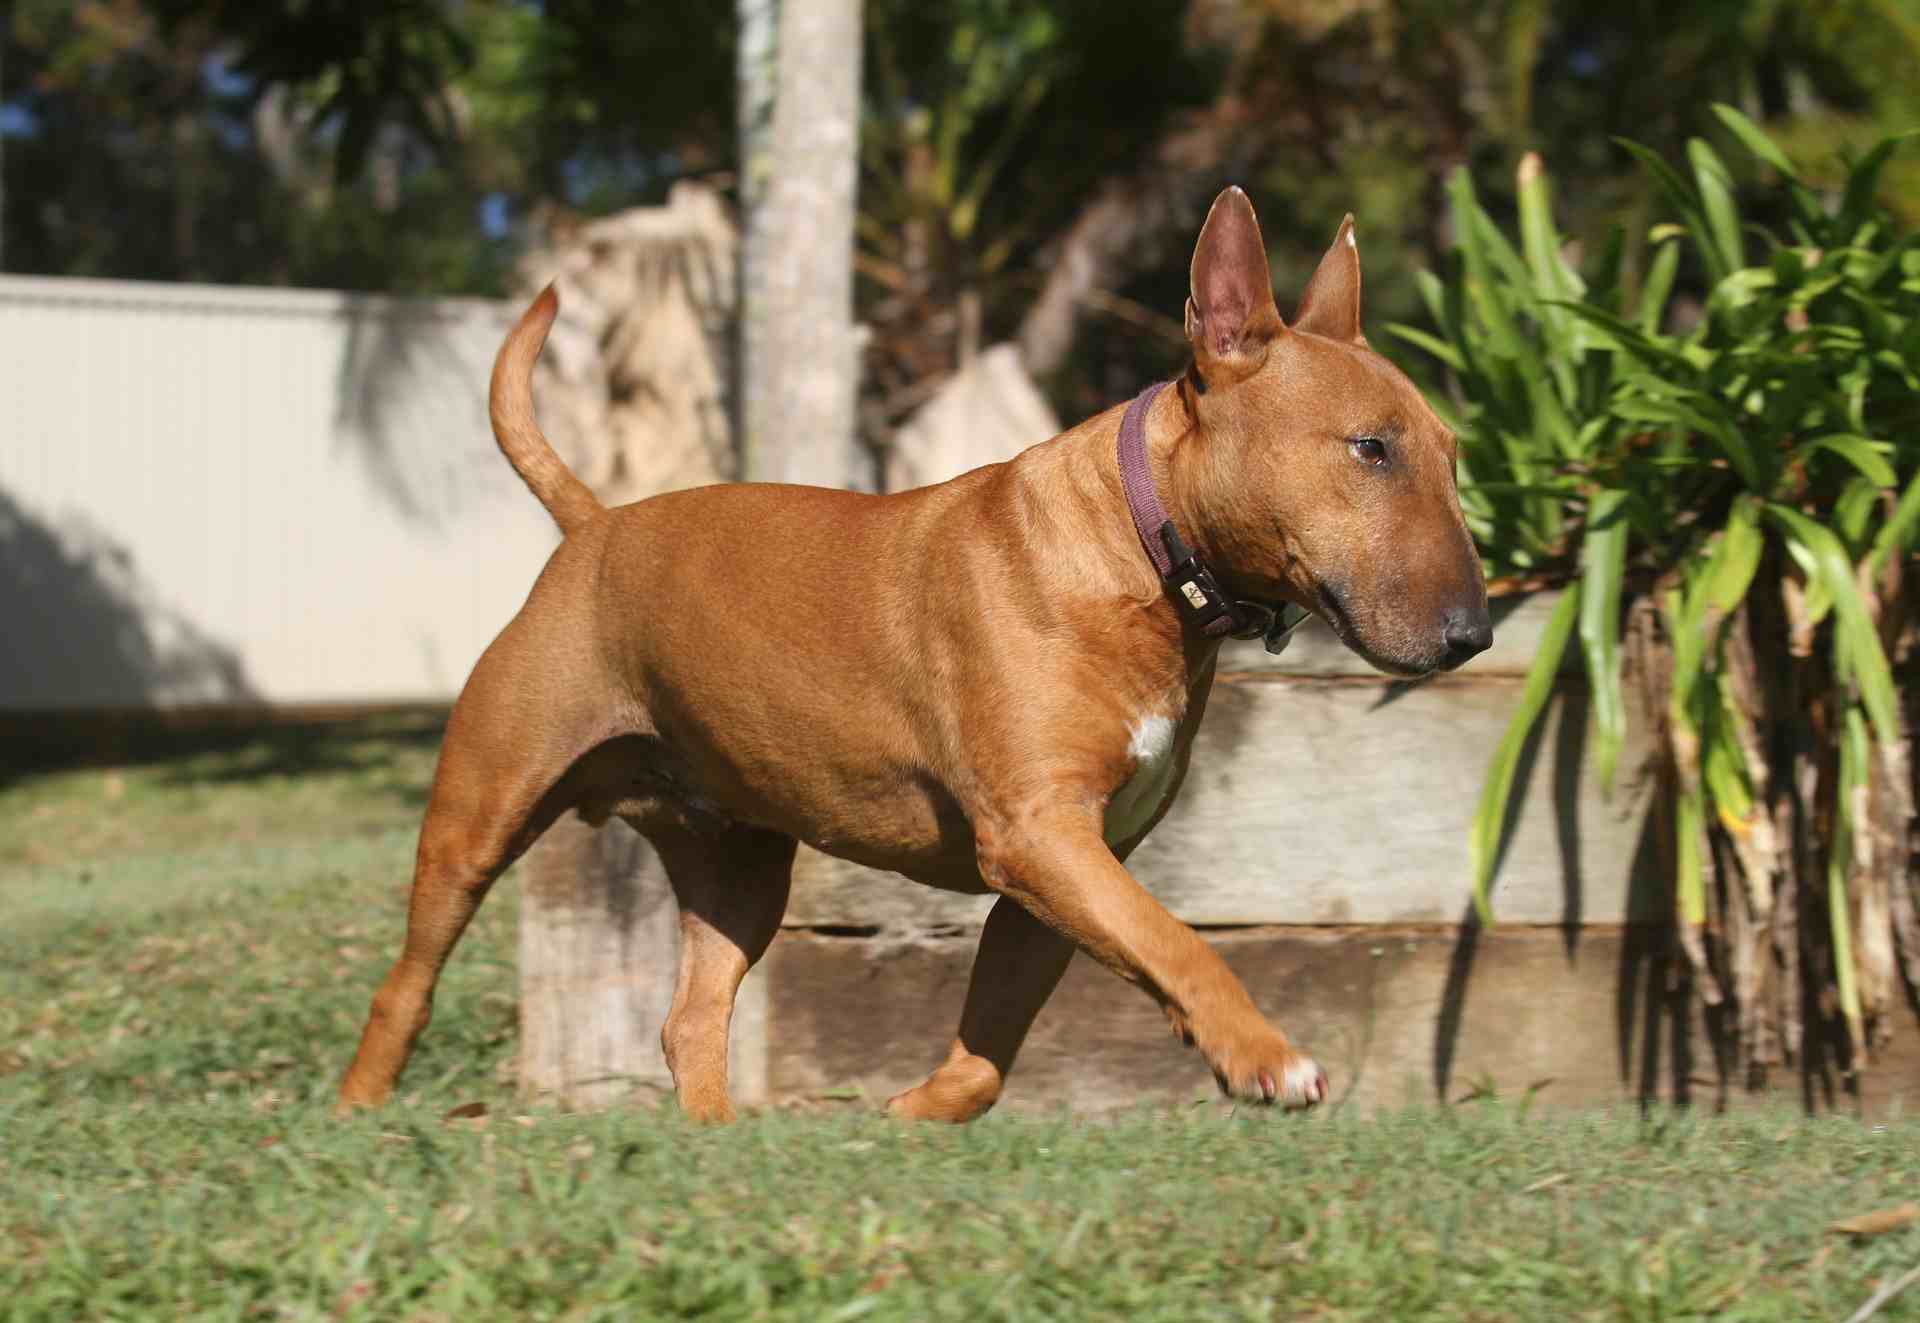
<point x="190" y="938"/>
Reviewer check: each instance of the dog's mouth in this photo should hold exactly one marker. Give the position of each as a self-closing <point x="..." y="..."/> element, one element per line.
<point x="1332" y="608"/>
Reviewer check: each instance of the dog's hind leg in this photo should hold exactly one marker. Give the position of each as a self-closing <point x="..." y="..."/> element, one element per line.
<point x="1018" y="966"/>
<point x="502" y="780"/>
<point x="732" y="888"/>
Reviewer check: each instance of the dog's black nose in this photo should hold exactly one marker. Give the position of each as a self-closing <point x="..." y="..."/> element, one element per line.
<point x="1467" y="631"/>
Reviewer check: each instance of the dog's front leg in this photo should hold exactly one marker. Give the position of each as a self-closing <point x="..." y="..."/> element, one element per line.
<point x="1019" y="963"/>
<point x="1055" y="863"/>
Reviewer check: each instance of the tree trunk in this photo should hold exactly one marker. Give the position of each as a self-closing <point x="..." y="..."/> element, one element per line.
<point x="800" y="106"/>
<point x="598" y="936"/>
<point x="631" y="389"/>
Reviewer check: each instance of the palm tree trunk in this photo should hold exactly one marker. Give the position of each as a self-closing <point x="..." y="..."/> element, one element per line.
<point x="800" y="110"/>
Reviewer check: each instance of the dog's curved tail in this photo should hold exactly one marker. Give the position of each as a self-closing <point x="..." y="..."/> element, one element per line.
<point x="510" y="403"/>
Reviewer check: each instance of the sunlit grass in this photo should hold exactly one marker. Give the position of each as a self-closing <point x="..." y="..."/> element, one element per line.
<point x="172" y="1027"/>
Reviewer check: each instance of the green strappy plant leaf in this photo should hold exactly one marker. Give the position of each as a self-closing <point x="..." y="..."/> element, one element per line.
<point x="1603" y="561"/>
<point x="1754" y="140"/>
<point x="1864" y="178"/>
<point x="1753" y="475"/>
<point x="1863" y="453"/>
<point x="1717" y="207"/>
<point x="1854" y="760"/>
<point x="1656" y="287"/>
<point x="1901" y="529"/>
<point x="1433" y="344"/>
<point x="1490" y="821"/>
<point x="1861" y="658"/>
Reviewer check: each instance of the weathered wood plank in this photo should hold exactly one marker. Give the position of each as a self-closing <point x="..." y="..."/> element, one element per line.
<point x="1337" y="801"/>
<point x="832" y="893"/>
<point x="1395" y="1016"/>
<point x="1330" y="802"/>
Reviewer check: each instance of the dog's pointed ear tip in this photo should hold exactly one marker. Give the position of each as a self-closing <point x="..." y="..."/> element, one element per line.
<point x="1232" y="196"/>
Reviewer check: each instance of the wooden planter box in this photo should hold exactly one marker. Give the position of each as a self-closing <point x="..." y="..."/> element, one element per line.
<point x="1321" y="843"/>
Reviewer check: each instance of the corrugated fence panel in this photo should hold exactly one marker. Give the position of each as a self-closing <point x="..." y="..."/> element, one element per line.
<point x="215" y="496"/>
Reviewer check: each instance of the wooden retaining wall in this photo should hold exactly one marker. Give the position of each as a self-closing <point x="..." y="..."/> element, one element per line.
<point x="1321" y="844"/>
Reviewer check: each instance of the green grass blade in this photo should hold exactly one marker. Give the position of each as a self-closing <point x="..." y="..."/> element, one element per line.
<point x="1490" y="819"/>
<point x="1603" y="565"/>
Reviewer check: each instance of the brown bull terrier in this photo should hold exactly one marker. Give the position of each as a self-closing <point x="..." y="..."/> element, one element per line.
<point x="987" y="685"/>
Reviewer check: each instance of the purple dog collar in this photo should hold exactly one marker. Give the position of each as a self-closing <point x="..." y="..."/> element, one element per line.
<point x="1188" y="581"/>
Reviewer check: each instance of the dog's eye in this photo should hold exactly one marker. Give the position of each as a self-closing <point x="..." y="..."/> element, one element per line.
<point x="1370" y="450"/>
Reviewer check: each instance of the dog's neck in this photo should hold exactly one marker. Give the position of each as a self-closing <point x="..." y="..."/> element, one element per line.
<point x="1170" y="465"/>
<point x="1198" y="484"/>
<point x="1093" y="539"/>
<point x="1202" y="600"/>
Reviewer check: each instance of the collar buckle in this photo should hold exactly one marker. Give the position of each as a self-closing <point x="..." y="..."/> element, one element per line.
<point x="1198" y="595"/>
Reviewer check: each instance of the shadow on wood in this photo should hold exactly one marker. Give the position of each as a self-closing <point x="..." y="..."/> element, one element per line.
<point x="598" y="933"/>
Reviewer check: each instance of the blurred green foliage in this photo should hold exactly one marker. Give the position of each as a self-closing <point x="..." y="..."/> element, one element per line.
<point x="419" y="146"/>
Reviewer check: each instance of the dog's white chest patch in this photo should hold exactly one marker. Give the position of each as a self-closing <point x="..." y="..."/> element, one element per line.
<point x="1137" y="799"/>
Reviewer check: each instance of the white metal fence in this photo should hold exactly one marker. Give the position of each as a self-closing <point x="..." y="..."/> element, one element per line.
<point x="214" y="495"/>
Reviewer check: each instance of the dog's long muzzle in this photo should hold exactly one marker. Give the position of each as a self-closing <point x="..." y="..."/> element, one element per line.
<point x="1274" y="627"/>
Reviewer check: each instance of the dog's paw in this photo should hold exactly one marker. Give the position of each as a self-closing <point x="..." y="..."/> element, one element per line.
<point x="1295" y="1082"/>
<point x="1301" y="1084"/>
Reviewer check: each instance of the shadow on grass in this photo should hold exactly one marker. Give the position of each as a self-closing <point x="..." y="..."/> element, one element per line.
<point x="216" y="747"/>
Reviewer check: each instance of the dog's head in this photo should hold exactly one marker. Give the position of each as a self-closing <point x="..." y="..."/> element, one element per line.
<point x="1322" y="476"/>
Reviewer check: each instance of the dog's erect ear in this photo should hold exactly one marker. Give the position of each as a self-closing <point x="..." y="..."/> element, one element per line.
<point x="1331" y="305"/>
<point x="1231" y="317"/>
